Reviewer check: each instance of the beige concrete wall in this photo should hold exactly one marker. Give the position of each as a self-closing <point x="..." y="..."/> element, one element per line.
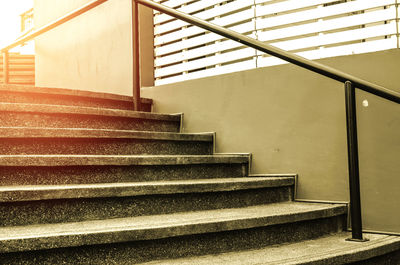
<point x="293" y="121"/>
<point x="91" y="52"/>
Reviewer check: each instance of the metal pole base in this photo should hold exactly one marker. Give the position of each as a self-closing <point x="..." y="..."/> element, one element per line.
<point x="357" y="240"/>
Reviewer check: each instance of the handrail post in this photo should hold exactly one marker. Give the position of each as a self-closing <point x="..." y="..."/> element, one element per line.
<point x="6" y="67"/>
<point x="136" y="54"/>
<point x="352" y="153"/>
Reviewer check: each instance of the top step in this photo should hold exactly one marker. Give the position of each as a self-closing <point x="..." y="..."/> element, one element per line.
<point x="59" y="96"/>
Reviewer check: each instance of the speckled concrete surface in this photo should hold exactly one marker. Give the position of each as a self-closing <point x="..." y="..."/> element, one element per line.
<point x="52" y="175"/>
<point x="120" y="160"/>
<point x="64" y="109"/>
<point x="181" y="246"/>
<point x="43" y="132"/>
<point x="103" y="146"/>
<point x="71" y="97"/>
<point x="37" y="115"/>
<point x="73" y="210"/>
<point x="61" y="120"/>
<point x="46" y="192"/>
<point x="328" y="250"/>
<point x="17" y="141"/>
<point x="45" y="236"/>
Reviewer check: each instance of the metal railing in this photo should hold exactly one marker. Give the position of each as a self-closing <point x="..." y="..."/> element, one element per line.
<point x="350" y="83"/>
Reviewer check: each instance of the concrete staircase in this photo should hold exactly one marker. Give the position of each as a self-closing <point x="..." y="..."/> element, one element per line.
<point x="85" y="180"/>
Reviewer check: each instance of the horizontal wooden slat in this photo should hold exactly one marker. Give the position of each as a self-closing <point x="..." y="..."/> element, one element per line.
<point x="206" y="15"/>
<point x="201" y="51"/>
<point x="318" y="13"/>
<point x="21" y="73"/>
<point x="19" y="67"/>
<point x="326" y="25"/>
<point x="21" y="80"/>
<point x="190" y="8"/>
<point x="264" y="8"/>
<point x="19" y="56"/>
<point x="245" y="65"/>
<point x="204" y="62"/>
<point x="357" y="48"/>
<point x="269" y="1"/>
<point x="21" y="62"/>
<point x="349" y="49"/>
<point x="172" y="3"/>
<point x="190" y="31"/>
<point x="338" y="37"/>
<point x="196" y="41"/>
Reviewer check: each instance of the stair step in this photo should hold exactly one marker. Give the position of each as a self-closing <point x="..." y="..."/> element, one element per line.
<point x="59" y="116"/>
<point x="48" y="236"/>
<point x="68" y="169"/>
<point x="26" y="140"/>
<point x="332" y="249"/>
<point x="23" y="205"/>
<point x="59" y="96"/>
<point x="48" y="192"/>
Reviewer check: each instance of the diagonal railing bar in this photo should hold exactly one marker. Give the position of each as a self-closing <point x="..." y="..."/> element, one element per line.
<point x="351" y="82"/>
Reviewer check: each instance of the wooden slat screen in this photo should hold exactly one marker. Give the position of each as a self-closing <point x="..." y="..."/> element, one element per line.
<point x="183" y="51"/>
<point x="21" y="67"/>
<point x="311" y="28"/>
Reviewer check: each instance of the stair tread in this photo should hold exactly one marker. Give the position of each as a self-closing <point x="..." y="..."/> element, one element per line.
<point x="67" y="92"/>
<point x="32" y="237"/>
<point x="79" y="110"/>
<point x="331" y="249"/>
<point x="26" y="132"/>
<point x="120" y="160"/>
<point x="45" y="192"/>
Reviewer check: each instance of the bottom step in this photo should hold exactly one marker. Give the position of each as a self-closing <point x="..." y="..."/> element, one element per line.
<point x="138" y="239"/>
<point x="333" y="249"/>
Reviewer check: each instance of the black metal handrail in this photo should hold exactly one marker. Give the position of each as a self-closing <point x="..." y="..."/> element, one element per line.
<point x="350" y="82"/>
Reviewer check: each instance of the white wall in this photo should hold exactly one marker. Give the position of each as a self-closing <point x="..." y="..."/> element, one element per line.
<point x="91" y="52"/>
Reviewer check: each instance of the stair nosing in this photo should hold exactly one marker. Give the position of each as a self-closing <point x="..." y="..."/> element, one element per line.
<point x="48" y="132"/>
<point x="97" y="190"/>
<point x="118" y="160"/>
<point x="91" y="111"/>
<point x="159" y="226"/>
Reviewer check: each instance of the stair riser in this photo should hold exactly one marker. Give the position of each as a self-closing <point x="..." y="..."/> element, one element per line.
<point x="73" y="210"/>
<point x="108" y="174"/>
<point x="105" y="146"/>
<point x="34" y="98"/>
<point x="27" y="119"/>
<point x="182" y="246"/>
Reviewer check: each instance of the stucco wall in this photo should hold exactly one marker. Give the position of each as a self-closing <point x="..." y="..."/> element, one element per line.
<point x="293" y="121"/>
<point x="93" y="51"/>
